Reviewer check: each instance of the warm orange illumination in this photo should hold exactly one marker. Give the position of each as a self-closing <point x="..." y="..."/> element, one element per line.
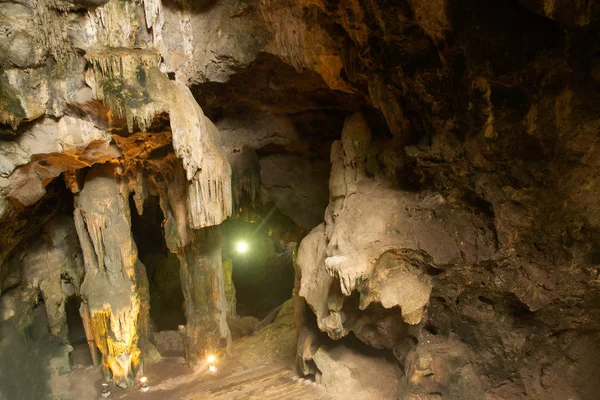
<point x="143" y="379"/>
<point x="211" y="359"/>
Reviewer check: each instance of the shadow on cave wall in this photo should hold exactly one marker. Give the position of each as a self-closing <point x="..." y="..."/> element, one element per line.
<point x="26" y="358"/>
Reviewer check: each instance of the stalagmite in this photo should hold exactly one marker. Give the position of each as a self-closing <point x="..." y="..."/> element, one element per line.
<point x="114" y="283"/>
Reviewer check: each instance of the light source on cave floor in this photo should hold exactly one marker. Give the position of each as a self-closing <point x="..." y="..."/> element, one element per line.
<point x="145" y="386"/>
<point x="105" y="390"/>
<point x="211" y="360"/>
<point x="241" y="247"/>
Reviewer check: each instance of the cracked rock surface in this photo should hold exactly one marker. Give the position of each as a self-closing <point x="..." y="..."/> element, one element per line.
<point x="436" y="161"/>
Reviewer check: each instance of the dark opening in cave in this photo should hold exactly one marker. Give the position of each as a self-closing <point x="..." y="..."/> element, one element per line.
<point x="74" y="321"/>
<point x="263" y="274"/>
<point x="81" y="351"/>
<point x="162" y="266"/>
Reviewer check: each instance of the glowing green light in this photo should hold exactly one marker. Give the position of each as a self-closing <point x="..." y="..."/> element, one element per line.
<point x="241" y="247"/>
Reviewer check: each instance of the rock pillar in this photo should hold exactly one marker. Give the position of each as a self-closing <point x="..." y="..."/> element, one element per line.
<point x="203" y="288"/>
<point x="114" y="279"/>
<point x="202" y="276"/>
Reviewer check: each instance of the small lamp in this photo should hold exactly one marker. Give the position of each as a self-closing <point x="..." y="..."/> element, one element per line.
<point x="241" y="247"/>
<point x="212" y="359"/>
<point x="105" y="390"/>
<point x="145" y="386"/>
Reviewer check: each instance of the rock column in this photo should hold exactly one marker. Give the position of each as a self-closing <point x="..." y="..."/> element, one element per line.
<point x="203" y="288"/>
<point x="202" y="276"/>
<point x="113" y="284"/>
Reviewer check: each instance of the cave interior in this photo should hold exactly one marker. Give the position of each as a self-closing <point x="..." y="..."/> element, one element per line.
<point x="294" y="199"/>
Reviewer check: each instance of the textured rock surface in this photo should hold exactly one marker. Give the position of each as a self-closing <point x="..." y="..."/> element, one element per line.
<point x="115" y="285"/>
<point x="206" y="330"/>
<point x="202" y="277"/>
<point x="33" y="327"/>
<point x="130" y="84"/>
<point x="348" y="373"/>
<point x="297" y="186"/>
<point x="461" y="228"/>
<point x="441" y="368"/>
<point x="55" y="268"/>
<point x="387" y="254"/>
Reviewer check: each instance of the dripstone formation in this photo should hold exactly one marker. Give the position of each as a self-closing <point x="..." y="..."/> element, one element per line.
<point x="437" y="162"/>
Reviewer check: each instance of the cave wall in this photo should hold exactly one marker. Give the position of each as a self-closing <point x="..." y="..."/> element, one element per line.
<point x="42" y="276"/>
<point x="459" y="231"/>
<point x="490" y="128"/>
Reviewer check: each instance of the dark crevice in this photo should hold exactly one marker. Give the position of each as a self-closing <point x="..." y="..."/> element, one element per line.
<point x="162" y="266"/>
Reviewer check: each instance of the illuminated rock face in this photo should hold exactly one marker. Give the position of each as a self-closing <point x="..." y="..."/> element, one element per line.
<point x="386" y="253"/>
<point x="368" y="269"/>
<point x="115" y="285"/>
<point x="130" y="83"/>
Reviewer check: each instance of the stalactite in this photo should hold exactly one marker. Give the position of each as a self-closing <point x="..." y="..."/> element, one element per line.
<point x="207" y="168"/>
<point x="245" y="178"/>
<point x="155" y="18"/>
<point x="86" y="318"/>
<point x="117" y="76"/>
<point x="129" y="82"/>
<point x="114" y="24"/>
<point x="137" y="185"/>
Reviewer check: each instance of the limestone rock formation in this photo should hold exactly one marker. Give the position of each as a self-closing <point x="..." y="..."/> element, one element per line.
<point x="347" y="373"/>
<point x="202" y="277"/>
<point x="130" y="84"/>
<point x="454" y="229"/>
<point x="51" y="267"/>
<point x="206" y="330"/>
<point x="441" y="369"/>
<point x="115" y="287"/>
<point x="387" y="254"/>
<point x="55" y="268"/>
<point x="37" y="281"/>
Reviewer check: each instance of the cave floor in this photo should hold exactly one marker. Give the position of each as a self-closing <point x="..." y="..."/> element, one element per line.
<point x="266" y="382"/>
<point x="258" y="366"/>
